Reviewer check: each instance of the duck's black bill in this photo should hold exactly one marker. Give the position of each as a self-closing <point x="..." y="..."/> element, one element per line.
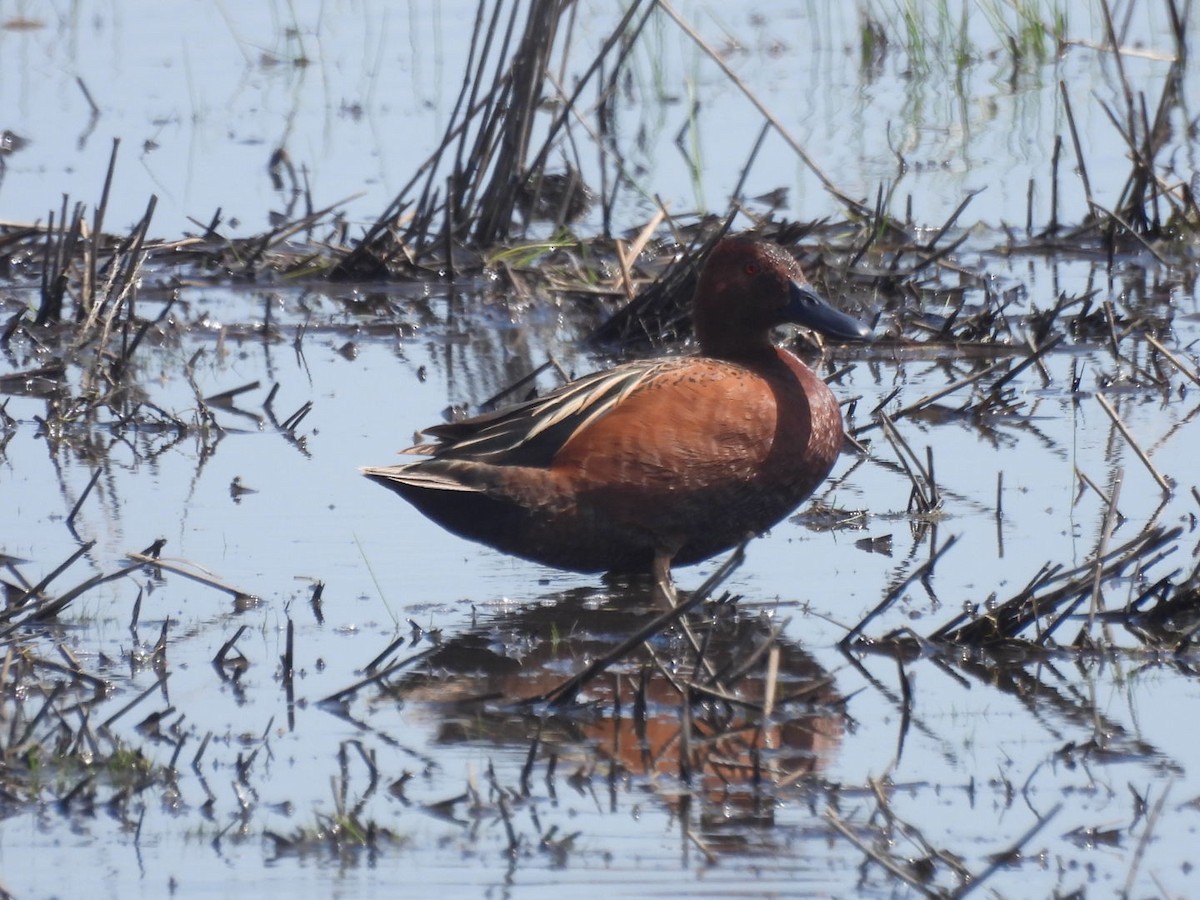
<point x="808" y="308"/>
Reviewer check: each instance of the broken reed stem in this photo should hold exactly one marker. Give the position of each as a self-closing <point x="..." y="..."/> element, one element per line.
<point x="195" y="573"/>
<point x="565" y="692"/>
<point x="50" y="607"/>
<point x="1006" y="857"/>
<point x="627" y="256"/>
<point x="1110" y="518"/>
<point x="1052" y="228"/>
<point x="1131" y="231"/>
<point x="1108" y="501"/>
<point x="1147" y="832"/>
<point x="82" y="497"/>
<point x="924" y="488"/>
<point x="896" y="592"/>
<point x="1167" y="487"/>
<point x="339" y="696"/>
<point x="1174" y="360"/>
<point x="137" y="612"/>
<point x="949" y="223"/>
<point x="225" y="398"/>
<point x="41" y="585"/>
<point x="55" y="691"/>
<point x="1083" y="175"/>
<point x="768" y="702"/>
<point x="1126" y="90"/>
<point x="875" y="856"/>
<point x="227" y="648"/>
<point x="1035" y="357"/>
<point x="135" y="701"/>
<point x="289" y="661"/>
<point x="89" y="287"/>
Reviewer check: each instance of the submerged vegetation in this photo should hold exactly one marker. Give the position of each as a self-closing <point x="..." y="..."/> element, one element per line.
<point x="711" y="708"/>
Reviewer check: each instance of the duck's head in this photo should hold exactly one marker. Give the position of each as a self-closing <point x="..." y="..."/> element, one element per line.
<point x="748" y="287"/>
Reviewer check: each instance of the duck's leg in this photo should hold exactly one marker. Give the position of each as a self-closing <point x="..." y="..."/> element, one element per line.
<point x="661" y="569"/>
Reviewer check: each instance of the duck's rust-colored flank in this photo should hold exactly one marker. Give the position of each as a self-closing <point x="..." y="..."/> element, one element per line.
<point x="652" y="462"/>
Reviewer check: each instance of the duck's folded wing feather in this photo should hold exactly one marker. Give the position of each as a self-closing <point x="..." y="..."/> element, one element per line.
<point x="531" y="433"/>
<point x="416" y="476"/>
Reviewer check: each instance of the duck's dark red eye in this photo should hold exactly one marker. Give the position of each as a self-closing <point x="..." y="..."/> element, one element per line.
<point x="751" y="268"/>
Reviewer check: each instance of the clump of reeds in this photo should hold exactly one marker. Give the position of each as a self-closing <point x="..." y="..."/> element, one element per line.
<point x="487" y="171"/>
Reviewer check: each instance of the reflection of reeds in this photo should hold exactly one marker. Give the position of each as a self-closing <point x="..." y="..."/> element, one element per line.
<point x="725" y="707"/>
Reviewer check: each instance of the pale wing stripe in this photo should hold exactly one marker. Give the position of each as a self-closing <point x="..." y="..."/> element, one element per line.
<point x="589" y="398"/>
<point x="412" y="475"/>
<point x="599" y="392"/>
<point x="606" y="394"/>
<point x="542" y="412"/>
<point x="610" y="402"/>
<point x="569" y="405"/>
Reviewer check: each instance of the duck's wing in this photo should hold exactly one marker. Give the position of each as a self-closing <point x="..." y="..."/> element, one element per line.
<point x="531" y="433"/>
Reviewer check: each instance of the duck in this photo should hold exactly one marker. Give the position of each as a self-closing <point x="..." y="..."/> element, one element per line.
<point x="657" y="462"/>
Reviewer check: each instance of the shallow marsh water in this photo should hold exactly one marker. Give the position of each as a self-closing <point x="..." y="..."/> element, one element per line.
<point x="982" y="758"/>
<point x="980" y="762"/>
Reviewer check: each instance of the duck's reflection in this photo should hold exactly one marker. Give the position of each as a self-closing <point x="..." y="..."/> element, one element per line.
<point x="723" y="711"/>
